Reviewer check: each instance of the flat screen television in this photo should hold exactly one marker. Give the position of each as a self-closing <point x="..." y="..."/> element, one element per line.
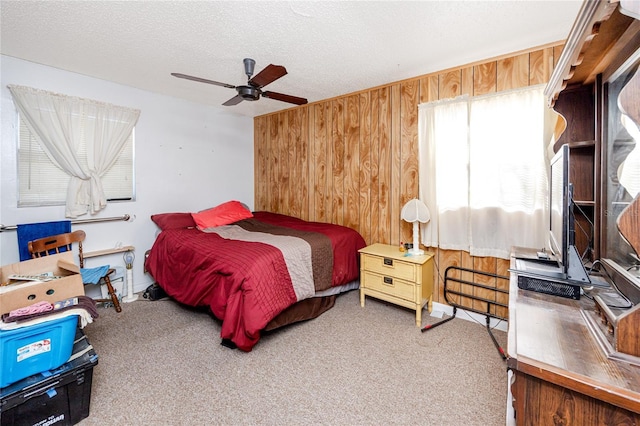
<point x="561" y="220"/>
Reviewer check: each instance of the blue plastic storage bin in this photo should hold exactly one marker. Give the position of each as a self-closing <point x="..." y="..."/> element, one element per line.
<point x="61" y="396"/>
<point x="30" y="350"/>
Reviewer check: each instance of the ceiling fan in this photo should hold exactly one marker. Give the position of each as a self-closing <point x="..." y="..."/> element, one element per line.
<point x="253" y="89"/>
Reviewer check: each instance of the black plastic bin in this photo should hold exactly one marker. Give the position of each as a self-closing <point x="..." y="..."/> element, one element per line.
<point x="55" y="397"/>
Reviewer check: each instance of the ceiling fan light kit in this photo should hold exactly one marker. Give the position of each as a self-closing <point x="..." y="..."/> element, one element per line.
<point x="249" y="66"/>
<point x="252" y="90"/>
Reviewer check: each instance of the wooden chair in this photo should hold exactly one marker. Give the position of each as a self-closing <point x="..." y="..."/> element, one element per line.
<point x="54" y="244"/>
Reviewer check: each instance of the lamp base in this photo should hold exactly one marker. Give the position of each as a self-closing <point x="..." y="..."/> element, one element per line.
<point x="131" y="298"/>
<point x="415" y="252"/>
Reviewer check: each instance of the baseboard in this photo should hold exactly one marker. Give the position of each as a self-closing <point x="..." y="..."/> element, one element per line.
<point x="501" y="325"/>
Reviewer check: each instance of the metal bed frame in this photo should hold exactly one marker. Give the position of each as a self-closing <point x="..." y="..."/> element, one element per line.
<point x="472" y="286"/>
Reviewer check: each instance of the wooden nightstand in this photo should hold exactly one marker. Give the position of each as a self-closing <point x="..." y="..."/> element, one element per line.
<point x="387" y="274"/>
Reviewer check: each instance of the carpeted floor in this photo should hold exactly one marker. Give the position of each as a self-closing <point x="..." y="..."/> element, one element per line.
<point x="161" y="363"/>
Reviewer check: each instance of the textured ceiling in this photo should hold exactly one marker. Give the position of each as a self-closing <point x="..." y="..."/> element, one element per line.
<point x="329" y="48"/>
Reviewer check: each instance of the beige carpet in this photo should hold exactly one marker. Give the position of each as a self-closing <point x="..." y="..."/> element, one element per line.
<point x="162" y="364"/>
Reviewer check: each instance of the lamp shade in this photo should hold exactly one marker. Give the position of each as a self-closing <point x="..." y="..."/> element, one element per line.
<point x="415" y="211"/>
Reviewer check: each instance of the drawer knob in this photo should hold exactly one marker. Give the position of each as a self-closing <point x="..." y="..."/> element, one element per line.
<point x="388" y="261"/>
<point x="388" y="280"/>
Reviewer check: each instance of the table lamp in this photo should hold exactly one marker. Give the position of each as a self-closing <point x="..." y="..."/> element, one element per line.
<point x="128" y="257"/>
<point x="416" y="212"/>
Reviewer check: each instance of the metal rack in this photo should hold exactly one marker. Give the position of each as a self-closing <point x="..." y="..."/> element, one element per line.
<point x="472" y="286"/>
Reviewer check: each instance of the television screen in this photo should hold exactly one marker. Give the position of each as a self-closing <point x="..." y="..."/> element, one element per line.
<point x="561" y="222"/>
<point x="559" y="204"/>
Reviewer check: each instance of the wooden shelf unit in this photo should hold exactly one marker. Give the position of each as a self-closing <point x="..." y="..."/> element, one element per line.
<point x="103" y="252"/>
<point x="578" y="106"/>
<point x="577" y="361"/>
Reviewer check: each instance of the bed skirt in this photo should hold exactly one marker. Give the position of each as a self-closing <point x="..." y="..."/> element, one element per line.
<point x="309" y="308"/>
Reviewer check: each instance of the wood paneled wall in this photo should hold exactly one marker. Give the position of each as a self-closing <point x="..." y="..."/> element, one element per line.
<point x="353" y="160"/>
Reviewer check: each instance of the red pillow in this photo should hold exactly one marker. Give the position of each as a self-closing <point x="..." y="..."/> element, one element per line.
<point x="224" y="214"/>
<point x="173" y="220"/>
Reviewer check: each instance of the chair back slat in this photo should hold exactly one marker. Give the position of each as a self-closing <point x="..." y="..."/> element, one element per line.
<point x="57" y="244"/>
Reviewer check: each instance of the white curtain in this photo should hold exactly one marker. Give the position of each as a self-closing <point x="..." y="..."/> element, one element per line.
<point x="483" y="171"/>
<point x="443" y="171"/>
<point x="60" y="122"/>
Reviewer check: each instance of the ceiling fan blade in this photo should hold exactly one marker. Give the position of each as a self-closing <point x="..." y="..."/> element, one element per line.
<point x="284" y="98"/>
<point x="233" y="101"/>
<point x="268" y="75"/>
<point x="202" y="80"/>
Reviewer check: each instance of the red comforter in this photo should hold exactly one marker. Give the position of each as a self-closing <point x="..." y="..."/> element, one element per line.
<point x="247" y="283"/>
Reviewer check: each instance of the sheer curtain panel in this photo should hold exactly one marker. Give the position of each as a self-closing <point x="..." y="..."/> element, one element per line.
<point x="60" y="122"/>
<point x="483" y="171"/>
<point x="443" y="172"/>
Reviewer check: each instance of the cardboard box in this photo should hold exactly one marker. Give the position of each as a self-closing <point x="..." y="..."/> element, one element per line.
<point x="18" y="294"/>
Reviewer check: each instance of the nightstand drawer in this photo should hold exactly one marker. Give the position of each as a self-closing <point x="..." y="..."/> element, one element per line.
<point x="389" y="267"/>
<point x="390" y="285"/>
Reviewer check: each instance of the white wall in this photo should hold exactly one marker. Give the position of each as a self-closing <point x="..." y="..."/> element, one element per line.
<point x="188" y="157"/>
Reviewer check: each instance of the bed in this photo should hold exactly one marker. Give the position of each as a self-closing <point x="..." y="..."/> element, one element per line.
<point x="255" y="274"/>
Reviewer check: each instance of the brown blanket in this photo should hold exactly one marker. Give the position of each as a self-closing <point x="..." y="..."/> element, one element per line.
<point x="321" y="253"/>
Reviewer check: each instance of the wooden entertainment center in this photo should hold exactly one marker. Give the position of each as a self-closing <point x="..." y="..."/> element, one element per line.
<point x="578" y="361"/>
<point x="565" y="371"/>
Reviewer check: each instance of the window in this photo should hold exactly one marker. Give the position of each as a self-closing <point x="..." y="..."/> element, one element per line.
<point x="89" y="141"/>
<point x="42" y="183"/>
<point x="483" y="171"/>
